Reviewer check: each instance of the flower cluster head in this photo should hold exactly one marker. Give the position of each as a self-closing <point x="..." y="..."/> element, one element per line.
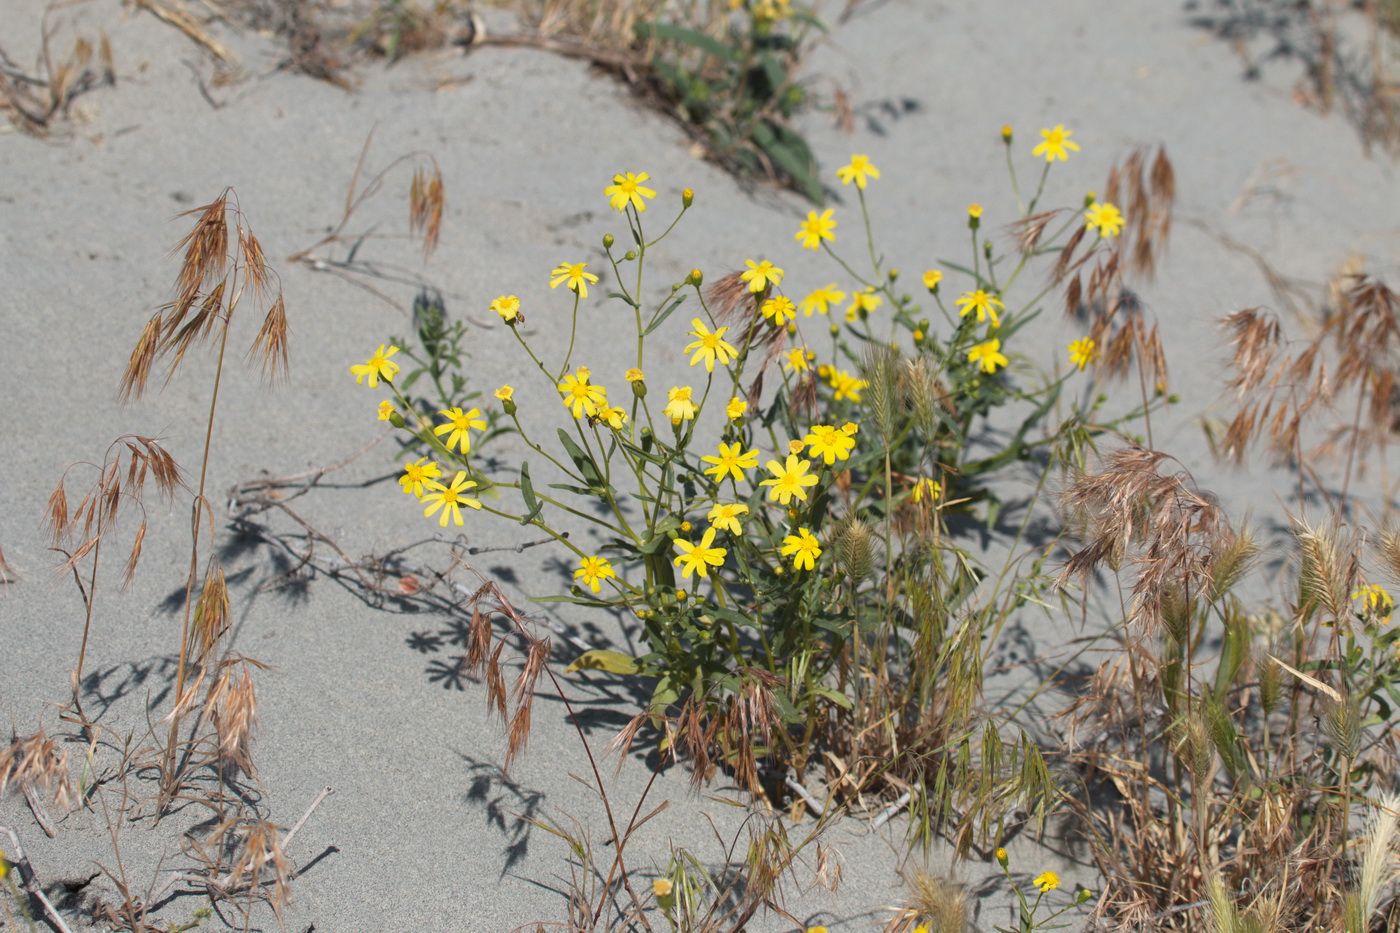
<point x="803" y="548"/>
<point x="779" y="309"/>
<point x="699" y="558"/>
<point x="679" y="407"/>
<point x="725" y="516"/>
<point x="449" y="499"/>
<point x="1046" y="881"/>
<point x="815" y="229"/>
<point x="761" y="274"/>
<point x="1104" y="218"/>
<point x="987" y="355"/>
<point x="829" y="443"/>
<point x="859" y="171"/>
<point x="863" y="302"/>
<point x="846" y="385"/>
<point x="926" y="488"/>
<point x="984" y="303"/>
<point x="974" y="211"/>
<point x="634" y="375"/>
<point x="581" y="396"/>
<point x="508" y="307"/>
<point x="574" y="276"/>
<point x="1373" y="598"/>
<point x="1055" y="143"/>
<point x="710" y="346"/>
<point x="386" y="410"/>
<point x="376" y="367"/>
<point x="796" y="360"/>
<point x="789" y="479"/>
<point x="592" y="570"/>
<point x="821" y="300"/>
<point x="627" y="189"/>
<point x="457" y="423"/>
<point x="735" y="409"/>
<point x="1083" y="351"/>
<point x="931" y="279"/>
<point x="662" y="887"/>
<point x="732" y="461"/>
<point x="417" y="475"/>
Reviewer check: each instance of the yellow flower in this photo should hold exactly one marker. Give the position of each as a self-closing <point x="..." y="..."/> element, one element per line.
<point x="726" y="516"/>
<point x="710" y="346"/>
<point x="508" y="307"/>
<point x="1001" y="857"/>
<point x="573" y="274"/>
<point x="505" y="393"/>
<point x="386" y="410"/>
<point x="699" y="558"/>
<point x="846" y="385"/>
<point x="1083" y="351"/>
<point x="858" y="171"/>
<point x="582" y="398"/>
<point x="866" y="301"/>
<point x="614" y="417"/>
<point x="450" y="499"/>
<point x="457" y="423"/>
<point x="815" y="229"/>
<point x="736" y="408"/>
<point x="974" y="211"/>
<point x="662" y="887"/>
<point x="779" y="310"/>
<point x="1055" y="143"/>
<point x="417" y="474"/>
<point x="926" y="487"/>
<point x="1006" y="133"/>
<point x="816" y="930"/>
<point x="829" y="443"/>
<point x="1105" y="218"/>
<point x="4" y="865"/>
<point x="376" y="367"/>
<point x="634" y="375"/>
<point x="1373" y="598"/>
<point x="679" y="407"/>
<point x="931" y="279"/>
<point x="628" y="188"/>
<point x="789" y="479"/>
<point x="761" y="275"/>
<point x="795" y="360"/>
<point x="803" y="548"/>
<point x="1046" y="881"/>
<point x="732" y="461"/>
<point x="593" y="569"/>
<point x="987" y="355"/>
<point x="984" y="304"/>
<point x="821" y="300"/>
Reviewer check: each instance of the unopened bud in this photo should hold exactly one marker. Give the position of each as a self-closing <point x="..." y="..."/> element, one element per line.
<point x="607" y="241"/>
<point x="687" y="197"/>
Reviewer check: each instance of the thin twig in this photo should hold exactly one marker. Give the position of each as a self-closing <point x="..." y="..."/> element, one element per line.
<point x="291" y="833"/>
<point x="890" y="811"/>
<point x="30" y="882"/>
<point x="807" y="798"/>
<point x="36" y="807"/>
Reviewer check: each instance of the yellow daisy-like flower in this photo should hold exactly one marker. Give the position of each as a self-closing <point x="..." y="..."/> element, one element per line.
<point x="795" y="360"/>
<point x="858" y="171"/>
<point x="376" y="367"/>
<point x="710" y="346"/>
<point x="985" y="304"/>
<point x="418" y="474"/>
<point x="699" y="558"/>
<point x="1104" y="218"/>
<point x="508" y="307"/>
<point x="821" y="300"/>
<point x="574" y="276"/>
<point x="662" y="887"/>
<point x="1001" y="856"/>
<point x="761" y="275"/>
<point x="634" y="375"/>
<point x="505" y="393"/>
<point x="732" y="461"/>
<point x="815" y="229"/>
<point x="829" y="443"/>
<point x="386" y="410"/>
<point x="457" y="423"/>
<point x="778" y="309"/>
<point x="627" y="188"/>
<point x="581" y="397"/>
<point x="803" y="548"/>
<point x="726" y="516"/>
<point x="613" y="417"/>
<point x="450" y="499"/>
<point x="846" y="385"/>
<point x="1083" y="351"/>
<point x="1055" y="143"/>
<point x="735" y="409"/>
<point x="865" y="301"/>
<point x="931" y="279"/>
<point x="926" y="488"/>
<point x="592" y="570"/>
<point x="679" y="407"/>
<point x="987" y="355"/>
<point x="974" y="211"/>
<point x="1373" y="598"/>
<point x="789" y="479"/>
<point x="1046" y="881"/>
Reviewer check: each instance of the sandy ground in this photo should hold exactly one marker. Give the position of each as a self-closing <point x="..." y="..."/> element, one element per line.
<point x="423" y="832"/>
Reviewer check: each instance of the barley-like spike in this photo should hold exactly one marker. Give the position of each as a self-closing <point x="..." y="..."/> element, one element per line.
<point x="271" y="342"/>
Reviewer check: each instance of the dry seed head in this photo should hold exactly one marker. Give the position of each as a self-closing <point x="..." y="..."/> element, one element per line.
<point x="426" y="202"/>
<point x="35" y="761"/>
<point x="921" y="390"/>
<point x="211" y="615"/>
<point x="1342" y="723"/>
<point x="1232" y="559"/>
<point x="1377" y="857"/>
<point x="232" y="706"/>
<point x="1028" y="232"/>
<point x="205" y="248"/>
<point x="1324" y="576"/>
<point x="271" y="342"/>
<point x="855" y="549"/>
<point x="143" y="356"/>
<point x="940" y="904"/>
<point x="880" y="369"/>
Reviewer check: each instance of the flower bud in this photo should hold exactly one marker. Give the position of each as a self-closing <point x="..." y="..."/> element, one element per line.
<point x="396" y="420"/>
<point x="1084" y="895"/>
<point x="508" y="406"/>
<point x="607" y="241"/>
<point x="1001" y="857"/>
<point x="894" y="275"/>
<point x="835" y="330"/>
<point x="1006" y="135"/>
<point x="687" y="197"/>
<point x="630" y="255"/>
<point x="696" y="277"/>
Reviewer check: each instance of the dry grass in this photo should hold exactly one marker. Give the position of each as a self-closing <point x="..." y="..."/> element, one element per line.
<point x="41" y="100"/>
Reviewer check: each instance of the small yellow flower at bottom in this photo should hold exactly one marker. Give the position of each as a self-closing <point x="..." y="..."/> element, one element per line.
<point x="679" y="407"/>
<point x="699" y="558"/>
<point x="505" y="393"/>
<point x="1055" y="143"/>
<point x="593" y="569"/>
<point x="661" y="887"/>
<point x="450" y="499"/>
<point x="974" y="211"/>
<point x="726" y="516"/>
<point x="1001" y="857"/>
<point x="926" y="488"/>
<point x="789" y="478"/>
<point x="1373" y="598"/>
<point x="931" y="279"/>
<point x="508" y="307"/>
<point x="457" y="424"/>
<point x="988" y="355"/>
<point x="815" y="229"/>
<point x="418" y="474"/>
<point x="816" y="930"/>
<point x="634" y="375"/>
<point x="761" y="275"/>
<point x="386" y="410"/>
<point x="1046" y="881"/>
<point x="858" y="171"/>
<point x="376" y="367"/>
<point x="1104" y="218"/>
<point x="779" y="310"/>
<point x="803" y="548"/>
<point x="1083" y="351"/>
<point x="573" y="274"/>
<point x="627" y="188"/>
<point x="735" y="409"/>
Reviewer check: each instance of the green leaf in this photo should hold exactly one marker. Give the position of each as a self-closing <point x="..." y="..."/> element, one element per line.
<point x="600" y="659"/>
<point x="585" y="464"/>
<point x="690" y="37"/>
<point x="664" y="314"/>
<point x="834" y="695"/>
<point x="533" y="506"/>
